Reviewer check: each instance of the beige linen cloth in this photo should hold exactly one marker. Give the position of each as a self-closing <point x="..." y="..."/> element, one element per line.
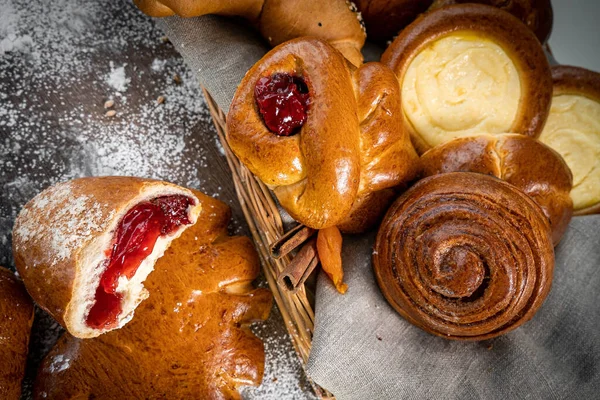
<point x="362" y="349"/>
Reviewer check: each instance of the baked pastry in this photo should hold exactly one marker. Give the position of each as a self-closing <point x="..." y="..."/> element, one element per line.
<point x="464" y="256"/>
<point x="536" y="14"/>
<point x="573" y="130"/>
<point x="524" y="162"/>
<point x="385" y="18"/>
<point x="467" y="69"/>
<point x="84" y="247"/>
<point x="336" y="21"/>
<point x="189" y="339"/>
<point x="324" y="136"/>
<point x="16" y="313"/>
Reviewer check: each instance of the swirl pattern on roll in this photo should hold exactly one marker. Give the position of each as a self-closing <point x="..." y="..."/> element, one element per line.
<point x="464" y="256"/>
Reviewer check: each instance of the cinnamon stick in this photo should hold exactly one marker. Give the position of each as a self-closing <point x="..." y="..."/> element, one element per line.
<point x="300" y="268"/>
<point x="291" y="240"/>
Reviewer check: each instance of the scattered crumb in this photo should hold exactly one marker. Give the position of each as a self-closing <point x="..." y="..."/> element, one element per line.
<point x="160" y="100"/>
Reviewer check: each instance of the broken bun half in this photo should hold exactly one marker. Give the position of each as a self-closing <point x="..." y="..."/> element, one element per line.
<point x="84" y="247"/>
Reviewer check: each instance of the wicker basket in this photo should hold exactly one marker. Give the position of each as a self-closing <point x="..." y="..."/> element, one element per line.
<point x="266" y="226"/>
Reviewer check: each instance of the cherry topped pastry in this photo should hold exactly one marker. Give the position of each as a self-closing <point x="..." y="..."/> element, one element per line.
<point x="84" y="247"/>
<point x="325" y="136"/>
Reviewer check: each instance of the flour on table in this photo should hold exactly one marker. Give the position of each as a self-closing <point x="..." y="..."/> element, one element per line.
<point x="117" y="78"/>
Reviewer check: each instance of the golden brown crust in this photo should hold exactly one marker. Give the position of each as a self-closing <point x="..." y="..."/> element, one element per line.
<point x="304" y="169"/>
<point x="190" y="339"/>
<point x="513" y="37"/>
<point x="54" y="230"/>
<point x="526" y="163"/>
<point x="385" y="18"/>
<point x="388" y="161"/>
<point x="351" y="145"/>
<point x="464" y="256"/>
<point x="536" y="14"/>
<point x="336" y="21"/>
<point x="569" y="80"/>
<point x="575" y="80"/>
<point x="16" y="318"/>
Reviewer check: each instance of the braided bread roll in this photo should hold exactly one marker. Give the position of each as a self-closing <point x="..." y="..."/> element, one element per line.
<point x="464" y="256"/>
<point x="16" y="318"/>
<point x="191" y="338"/>
<point x="467" y="69"/>
<point x="524" y="162"/>
<point x="536" y="14"/>
<point x="573" y="130"/>
<point x="346" y="149"/>
<point x="336" y="21"/>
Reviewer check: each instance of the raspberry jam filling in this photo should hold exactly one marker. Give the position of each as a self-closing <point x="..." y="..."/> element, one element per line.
<point x="135" y="238"/>
<point x="283" y="102"/>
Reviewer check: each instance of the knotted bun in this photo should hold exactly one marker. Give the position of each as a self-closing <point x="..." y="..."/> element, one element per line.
<point x="464" y="256"/>
<point x="319" y="172"/>
<point x="526" y="163"/>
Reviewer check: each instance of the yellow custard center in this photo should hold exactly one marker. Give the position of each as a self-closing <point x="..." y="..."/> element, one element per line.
<point x="573" y="130"/>
<point x="460" y="85"/>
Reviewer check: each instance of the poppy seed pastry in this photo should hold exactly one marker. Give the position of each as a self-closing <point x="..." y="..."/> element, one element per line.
<point x="84" y="247"/>
<point x="524" y="162"/>
<point x="189" y="340"/>
<point x="16" y="318"/>
<point x="336" y="21"/>
<point x="464" y="256"/>
<point x="467" y="69"/>
<point x="326" y="137"/>
<point x="573" y="130"/>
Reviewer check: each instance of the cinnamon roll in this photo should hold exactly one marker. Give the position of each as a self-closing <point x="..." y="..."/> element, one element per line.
<point x="464" y="256"/>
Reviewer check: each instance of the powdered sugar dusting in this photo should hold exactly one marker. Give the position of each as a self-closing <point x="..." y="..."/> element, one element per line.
<point x="59" y="208"/>
<point x="117" y="78"/>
